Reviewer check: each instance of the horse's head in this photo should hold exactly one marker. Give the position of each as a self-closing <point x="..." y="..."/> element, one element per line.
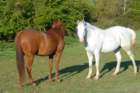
<point x="58" y="25"/>
<point x="81" y="27"/>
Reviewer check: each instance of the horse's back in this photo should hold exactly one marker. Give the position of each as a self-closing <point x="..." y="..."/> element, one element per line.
<point x="126" y="35"/>
<point x="27" y="33"/>
<point x="28" y="40"/>
<point x="34" y="42"/>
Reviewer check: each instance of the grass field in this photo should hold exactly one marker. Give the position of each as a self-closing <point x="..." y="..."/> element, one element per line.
<point x="73" y="71"/>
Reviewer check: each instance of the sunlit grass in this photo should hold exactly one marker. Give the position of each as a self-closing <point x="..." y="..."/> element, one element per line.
<point x="73" y="71"/>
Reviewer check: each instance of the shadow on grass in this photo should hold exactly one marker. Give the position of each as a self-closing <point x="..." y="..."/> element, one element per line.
<point x="111" y="65"/>
<point x="66" y="72"/>
<point x="75" y="69"/>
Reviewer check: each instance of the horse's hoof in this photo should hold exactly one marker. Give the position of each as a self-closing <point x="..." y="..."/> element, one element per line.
<point x="20" y="86"/>
<point x="135" y="73"/>
<point x="51" y="80"/>
<point x="88" y="77"/>
<point x="34" y="84"/>
<point x="58" y="80"/>
<point x="115" y="73"/>
<point x="96" y="78"/>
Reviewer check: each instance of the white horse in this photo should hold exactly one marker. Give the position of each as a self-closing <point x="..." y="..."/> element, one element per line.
<point x="97" y="40"/>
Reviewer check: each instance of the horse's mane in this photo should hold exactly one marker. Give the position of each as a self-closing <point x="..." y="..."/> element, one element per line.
<point x="56" y="28"/>
<point x="92" y="26"/>
<point x="56" y="25"/>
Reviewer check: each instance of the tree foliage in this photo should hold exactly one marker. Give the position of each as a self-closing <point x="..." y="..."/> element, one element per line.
<point x="111" y="12"/>
<point x="16" y="15"/>
<point x="109" y="8"/>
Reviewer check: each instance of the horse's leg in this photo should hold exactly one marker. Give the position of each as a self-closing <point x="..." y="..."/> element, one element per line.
<point x="29" y="68"/>
<point x="58" y="56"/>
<point x="131" y="55"/>
<point x="90" y="60"/>
<point x="97" y="61"/>
<point x="118" y="58"/>
<point x="50" y="67"/>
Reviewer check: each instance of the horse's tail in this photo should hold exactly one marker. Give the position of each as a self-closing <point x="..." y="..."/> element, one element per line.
<point x="133" y="40"/>
<point x="20" y="60"/>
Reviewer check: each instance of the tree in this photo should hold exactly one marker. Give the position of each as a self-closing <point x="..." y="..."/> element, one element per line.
<point x="108" y="8"/>
<point x="20" y="14"/>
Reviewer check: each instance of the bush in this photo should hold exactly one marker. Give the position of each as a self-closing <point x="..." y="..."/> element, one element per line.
<point x="110" y="12"/>
<point x="39" y="14"/>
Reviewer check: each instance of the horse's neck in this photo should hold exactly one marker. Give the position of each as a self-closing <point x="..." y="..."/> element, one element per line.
<point x="56" y="33"/>
<point x="92" y="30"/>
<point x="60" y="32"/>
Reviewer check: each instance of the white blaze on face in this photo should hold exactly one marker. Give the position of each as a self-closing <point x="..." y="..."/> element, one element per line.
<point x="81" y="31"/>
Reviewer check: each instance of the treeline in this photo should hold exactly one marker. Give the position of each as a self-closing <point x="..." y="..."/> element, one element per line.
<point x="118" y="12"/>
<point x="16" y="15"/>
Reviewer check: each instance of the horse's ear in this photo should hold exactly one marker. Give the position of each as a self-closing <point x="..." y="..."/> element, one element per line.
<point x="53" y="26"/>
<point x="57" y="24"/>
<point x="83" y="20"/>
<point x="78" y="22"/>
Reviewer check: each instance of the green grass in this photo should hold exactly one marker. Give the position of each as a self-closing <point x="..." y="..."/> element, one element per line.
<point x="73" y="69"/>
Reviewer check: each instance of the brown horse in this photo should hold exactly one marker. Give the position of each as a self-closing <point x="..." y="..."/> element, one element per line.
<point x="30" y="43"/>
